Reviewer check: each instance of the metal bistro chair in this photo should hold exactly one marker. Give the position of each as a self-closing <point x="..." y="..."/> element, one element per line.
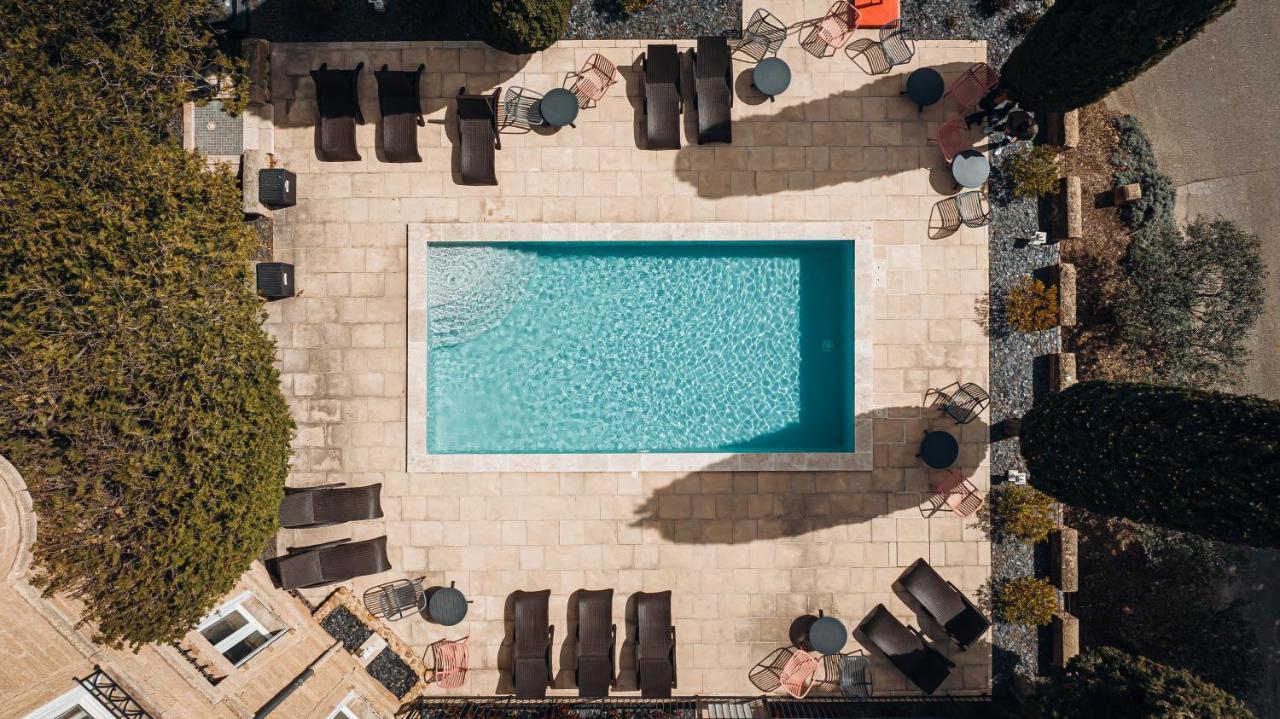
<point x="520" y="110"/>
<point x="956" y="494"/>
<point x="395" y="600"/>
<point x="832" y="31"/>
<point x="595" y="78"/>
<point x="450" y="662"/>
<point x="763" y="36"/>
<point x="766" y="675"/>
<point x="967" y="208"/>
<point x="954" y="138"/>
<point x="849" y="673"/>
<point x="798" y="675"/>
<point x="973" y="85"/>
<point x="895" y="47"/>
<point x="963" y="405"/>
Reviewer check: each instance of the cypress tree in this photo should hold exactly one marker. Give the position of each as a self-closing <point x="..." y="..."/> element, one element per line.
<point x="1081" y="50"/>
<point x="1193" y="460"/>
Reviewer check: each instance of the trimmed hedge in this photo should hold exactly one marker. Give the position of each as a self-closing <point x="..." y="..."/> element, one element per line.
<point x="521" y="26"/>
<point x="1107" y="682"/>
<point x="1203" y="462"/>
<point x="1136" y="161"/>
<point x="138" y="395"/>
<point x="1081" y="50"/>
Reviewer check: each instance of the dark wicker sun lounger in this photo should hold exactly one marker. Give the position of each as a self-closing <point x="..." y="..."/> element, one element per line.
<point x="713" y="88"/>
<point x="656" y="644"/>
<point x="332" y="562"/>
<point x="597" y="637"/>
<point x="338" y="100"/>
<point x="531" y="659"/>
<point x="662" y="97"/>
<point x="921" y="663"/>
<point x="945" y="604"/>
<point x="401" y="108"/>
<point x="478" y="133"/>
<point x="320" y="506"/>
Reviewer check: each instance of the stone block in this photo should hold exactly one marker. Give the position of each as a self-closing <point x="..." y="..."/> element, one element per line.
<point x="1065" y="629"/>
<point x="1125" y="194"/>
<point x="1066" y="294"/>
<point x="257" y="56"/>
<point x="250" y="162"/>
<point x="1071" y="129"/>
<point x="1062" y="370"/>
<point x="1064" y="554"/>
<point x="1069" y="223"/>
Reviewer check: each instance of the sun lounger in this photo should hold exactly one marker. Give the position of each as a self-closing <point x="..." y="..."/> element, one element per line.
<point x="321" y="564"/>
<point x="713" y="87"/>
<point x="478" y="135"/>
<point x="531" y="658"/>
<point x="656" y="644"/>
<point x="596" y="642"/>
<point x="338" y="102"/>
<point x="662" y="97"/>
<point x="401" y="108"/>
<point x="945" y="604"/>
<point x="925" y="666"/>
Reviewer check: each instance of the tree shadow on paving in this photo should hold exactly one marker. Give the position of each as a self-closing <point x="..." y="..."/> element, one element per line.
<point x="724" y="505"/>
<point x="821" y="143"/>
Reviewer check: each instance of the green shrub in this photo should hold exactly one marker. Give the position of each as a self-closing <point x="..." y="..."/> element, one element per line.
<point x="1032" y="306"/>
<point x="1080" y="51"/>
<point x="1135" y="161"/>
<point x="137" y="394"/>
<point x="1032" y="170"/>
<point x="1107" y="682"/>
<point x="1197" y="461"/>
<point x="521" y="26"/>
<point x="1027" y="600"/>
<point x="1024" y="513"/>
<point x="1189" y="301"/>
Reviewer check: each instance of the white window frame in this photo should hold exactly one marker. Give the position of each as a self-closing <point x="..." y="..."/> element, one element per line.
<point x="251" y="626"/>
<point x="342" y="711"/>
<point x="77" y="697"/>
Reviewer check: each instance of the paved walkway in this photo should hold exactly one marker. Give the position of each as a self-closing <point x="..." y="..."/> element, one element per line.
<point x="745" y="552"/>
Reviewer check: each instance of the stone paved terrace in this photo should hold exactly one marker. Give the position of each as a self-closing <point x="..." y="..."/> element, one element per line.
<point x="745" y="552"/>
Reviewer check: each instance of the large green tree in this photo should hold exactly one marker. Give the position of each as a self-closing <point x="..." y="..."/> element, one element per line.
<point x="1107" y="682"/>
<point x="138" y="395"/>
<point x="1081" y="50"/>
<point x="1198" y="461"/>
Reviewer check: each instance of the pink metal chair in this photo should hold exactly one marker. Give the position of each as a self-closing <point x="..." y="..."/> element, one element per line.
<point x="451" y="661"/>
<point x="953" y="138"/>
<point x="831" y="31"/>
<point x="958" y="493"/>
<point x="595" y="78"/>
<point x="798" y="674"/>
<point x="974" y="85"/>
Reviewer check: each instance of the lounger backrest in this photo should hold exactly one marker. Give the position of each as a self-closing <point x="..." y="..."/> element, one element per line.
<point x="355" y="559"/>
<point x="595" y="622"/>
<point x="398" y="91"/>
<point x="531" y="624"/>
<point x="932" y="591"/>
<point x="337" y="92"/>
<point x="662" y="65"/>
<point x="712" y="57"/>
<point x="654" y="625"/>
<point x="346" y="504"/>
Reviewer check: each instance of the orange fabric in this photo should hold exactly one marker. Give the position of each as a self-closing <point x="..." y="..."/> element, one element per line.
<point x="876" y="13"/>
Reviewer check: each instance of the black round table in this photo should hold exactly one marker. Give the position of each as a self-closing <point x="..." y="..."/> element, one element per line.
<point x="939" y="449"/>
<point x="772" y="76"/>
<point x="970" y="168"/>
<point x="447" y="606"/>
<point x="559" y="107"/>
<point x="925" y="86"/>
<point x="828" y="635"/>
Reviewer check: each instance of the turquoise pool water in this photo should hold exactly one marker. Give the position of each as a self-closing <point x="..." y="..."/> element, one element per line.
<point x="587" y="347"/>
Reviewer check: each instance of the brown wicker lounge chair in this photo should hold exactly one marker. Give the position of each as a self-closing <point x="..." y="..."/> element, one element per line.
<point x="925" y="666"/>
<point x="401" y="108"/>
<point x="331" y="562"/>
<point x="596" y="640"/>
<point x="531" y="659"/>
<point x="713" y="88"/>
<point x="338" y="101"/>
<point x="656" y="644"/>
<point x="478" y="136"/>
<point x="661" y="65"/>
<point x="945" y="604"/>
<point x="330" y="504"/>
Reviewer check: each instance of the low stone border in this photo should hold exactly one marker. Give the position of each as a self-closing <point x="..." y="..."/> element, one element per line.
<point x="342" y="597"/>
<point x="1066" y="638"/>
<point x="1063" y="129"/>
<point x="1062" y="370"/>
<point x="1066" y="294"/>
<point x="1070" y="223"/>
<point x="1064" y="563"/>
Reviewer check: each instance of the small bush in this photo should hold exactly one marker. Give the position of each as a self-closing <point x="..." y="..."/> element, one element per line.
<point x="1020" y="22"/>
<point x="521" y="26"/>
<point x="1032" y="306"/>
<point x="1136" y="161"/>
<point x="1027" y="600"/>
<point x="953" y="23"/>
<point x="630" y="7"/>
<point x="1032" y="170"/>
<point x="1023" y="512"/>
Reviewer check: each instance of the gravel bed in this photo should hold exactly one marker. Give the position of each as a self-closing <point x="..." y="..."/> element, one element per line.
<point x="342" y="625"/>
<point x="968" y="20"/>
<point x="391" y="672"/>
<point x="662" y="19"/>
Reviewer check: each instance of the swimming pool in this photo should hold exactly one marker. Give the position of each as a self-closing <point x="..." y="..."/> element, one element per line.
<point x="634" y="347"/>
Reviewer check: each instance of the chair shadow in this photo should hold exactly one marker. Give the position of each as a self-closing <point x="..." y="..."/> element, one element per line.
<point x="506" y="651"/>
<point x="627" y="680"/>
<point x="566" y="676"/>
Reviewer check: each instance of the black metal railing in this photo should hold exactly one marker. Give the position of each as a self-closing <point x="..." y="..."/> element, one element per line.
<point x="112" y="696"/>
<point x="694" y="707"/>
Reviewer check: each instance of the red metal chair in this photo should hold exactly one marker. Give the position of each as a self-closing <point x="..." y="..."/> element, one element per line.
<point x="831" y="31"/>
<point x="974" y="85"/>
<point x="451" y="662"/>
<point x="595" y="78"/>
<point x="958" y="493"/>
<point x="798" y="674"/>
<point x="953" y="138"/>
